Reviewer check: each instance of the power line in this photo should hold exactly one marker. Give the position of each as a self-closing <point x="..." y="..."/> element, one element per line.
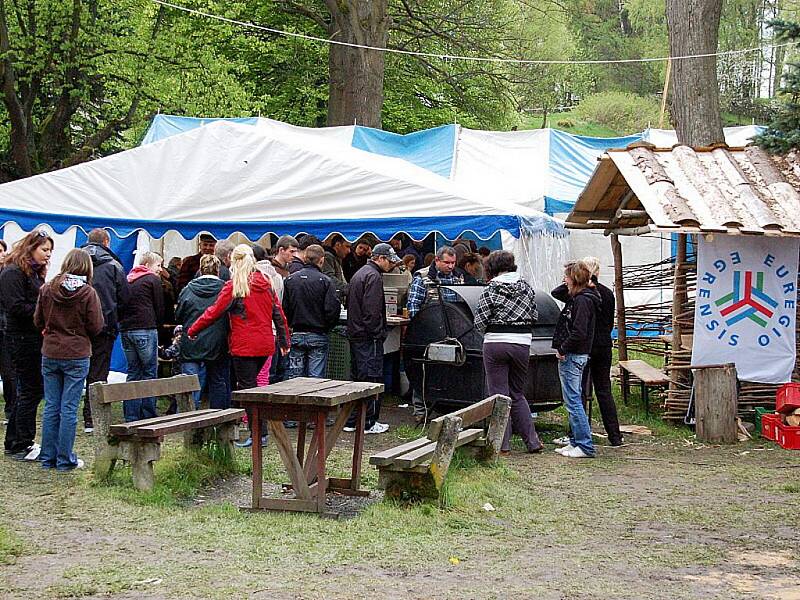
<point x="484" y="59"/>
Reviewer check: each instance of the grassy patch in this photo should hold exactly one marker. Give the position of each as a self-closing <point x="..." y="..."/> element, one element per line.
<point x="110" y="578"/>
<point x="179" y="475"/>
<point x="791" y="488"/>
<point x="570" y="122"/>
<point x="11" y="546"/>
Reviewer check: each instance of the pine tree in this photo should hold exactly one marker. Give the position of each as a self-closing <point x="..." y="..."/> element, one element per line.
<point x="783" y="133"/>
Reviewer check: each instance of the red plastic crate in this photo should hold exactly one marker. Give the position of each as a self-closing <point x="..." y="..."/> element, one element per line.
<point x="788" y="437"/>
<point x="769" y="426"/>
<point x="788" y="398"/>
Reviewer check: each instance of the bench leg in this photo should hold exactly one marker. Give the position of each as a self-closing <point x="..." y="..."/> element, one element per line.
<point x="225" y="435"/>
<point x="497" y="427"/>
<point x="141" y="455"/>
<point x="645" y="398"/>
<point x="407" y="485"/>
<point x="623" y="380"/>
<point x="105" y="461"/>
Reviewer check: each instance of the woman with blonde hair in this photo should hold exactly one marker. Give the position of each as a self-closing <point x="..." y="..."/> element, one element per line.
<point x="252" y="308"/>
<point x="597" y="374"/>
<point x="23" y="274"/>
<point x="70" y="315"/>
<point x="139" y="321"/>
<point x="572" y="341"/>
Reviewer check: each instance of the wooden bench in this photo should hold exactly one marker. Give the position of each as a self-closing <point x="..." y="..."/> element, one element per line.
<point x="647" y="375"/>
<point x="402" y="471"/>
<point x="139" y="442"/>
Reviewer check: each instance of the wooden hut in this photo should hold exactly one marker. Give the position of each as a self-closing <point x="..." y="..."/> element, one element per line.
<point x="689" y="191"/>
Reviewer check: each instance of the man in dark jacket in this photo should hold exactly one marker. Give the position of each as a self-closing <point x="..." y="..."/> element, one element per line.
<point x="191" y="264"/>
<point x="336" y="251"/>
<point x="108" y="280"/>
<point x="312" y="310"/>
<point x="207" y="355"/>
<point x="366" y="328"/>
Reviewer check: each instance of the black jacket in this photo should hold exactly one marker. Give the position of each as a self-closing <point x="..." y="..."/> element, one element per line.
<point x="366" y="305"/>
<point x="295" y="265"/>
<point x="110" y="284"/>
<point x="195" y="298"/>
<point x="18" y="295"/>
<point x="605" y="316"/>
<point x="145" y="306"/>
<point x="309" y="301"/>
<point x="575" y="327"/>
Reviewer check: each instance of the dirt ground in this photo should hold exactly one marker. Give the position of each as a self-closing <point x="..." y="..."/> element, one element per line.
<point x="663" y="517"/>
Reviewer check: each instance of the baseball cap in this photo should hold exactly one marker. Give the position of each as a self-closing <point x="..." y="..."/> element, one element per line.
<point x="387" y="251"/>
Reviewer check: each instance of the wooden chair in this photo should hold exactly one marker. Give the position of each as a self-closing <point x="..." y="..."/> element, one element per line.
<point x="401" y="469"/>
<point x="139" y="442"/>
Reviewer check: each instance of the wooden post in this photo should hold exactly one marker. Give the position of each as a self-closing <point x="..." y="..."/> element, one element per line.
<point x="619" y="292"/>
<point x="677" y="378"/>
<point x="715" y="398"/>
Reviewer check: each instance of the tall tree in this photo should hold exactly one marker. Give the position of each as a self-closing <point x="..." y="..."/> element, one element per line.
<point x="693" y="27"/>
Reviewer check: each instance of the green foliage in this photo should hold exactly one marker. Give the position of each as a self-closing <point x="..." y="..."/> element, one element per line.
<point x="783" y="133"/>
<point x="621" y="111"/>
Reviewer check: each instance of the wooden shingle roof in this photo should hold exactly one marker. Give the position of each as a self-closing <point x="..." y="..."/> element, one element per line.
<point x="691" y="190"/>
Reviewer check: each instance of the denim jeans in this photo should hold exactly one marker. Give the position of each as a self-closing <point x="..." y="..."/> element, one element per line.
<point x="141" y="352"/>
<point x="570" y="371"/>
<point x="214" y="377"/>
<point x="308" y="356"/>
<point x="63" y="385"/>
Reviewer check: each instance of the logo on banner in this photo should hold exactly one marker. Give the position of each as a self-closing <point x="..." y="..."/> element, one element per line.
<point x="744" y="299"/>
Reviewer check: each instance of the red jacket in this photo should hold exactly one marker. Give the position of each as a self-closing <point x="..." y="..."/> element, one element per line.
<point x="251" y="318"/>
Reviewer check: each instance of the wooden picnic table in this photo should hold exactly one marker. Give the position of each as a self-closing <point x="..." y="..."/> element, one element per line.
<point x="307" y="400"/>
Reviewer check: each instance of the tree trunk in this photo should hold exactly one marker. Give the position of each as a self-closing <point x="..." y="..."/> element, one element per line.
<point x="356" y="75"/>
<point x="693" y="29"/>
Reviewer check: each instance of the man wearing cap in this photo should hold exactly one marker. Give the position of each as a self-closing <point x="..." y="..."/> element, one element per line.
<point x="366" y="328"/>
<point x="191" y="264"/>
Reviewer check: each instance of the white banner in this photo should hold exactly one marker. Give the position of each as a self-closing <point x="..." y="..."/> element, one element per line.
<point x="746" y="305"/>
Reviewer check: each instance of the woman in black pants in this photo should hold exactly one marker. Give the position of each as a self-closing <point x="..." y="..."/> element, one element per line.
<point x="24" y="271"/>
<point x="598" y="373"/>
<point x="506" y="312"/>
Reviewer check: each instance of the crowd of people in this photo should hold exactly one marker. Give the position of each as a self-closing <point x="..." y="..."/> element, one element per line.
<point x="241" y="317"/>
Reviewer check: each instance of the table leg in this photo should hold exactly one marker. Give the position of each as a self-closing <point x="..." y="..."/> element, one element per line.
<point x="358" y="443"/>
<point x="322" y="455"/>
<point x="301" y="441"/>
<point x="255" y="432"/>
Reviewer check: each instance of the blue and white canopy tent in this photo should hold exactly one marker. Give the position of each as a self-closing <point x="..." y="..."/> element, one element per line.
<point x="229" y="178"/>
<point x="542" y="169"/>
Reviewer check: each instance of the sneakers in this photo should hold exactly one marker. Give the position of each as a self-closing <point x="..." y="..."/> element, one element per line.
<point x="89" y="428"/>
<point x="576" y="453"/>
<point x="30" y="453"/>
<point x="248" y="443"/>
<point x="377" y="428"/>
<point x="79" y="465"/>
<point x="562" y="441"/>
<point x="564" y="448"/>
